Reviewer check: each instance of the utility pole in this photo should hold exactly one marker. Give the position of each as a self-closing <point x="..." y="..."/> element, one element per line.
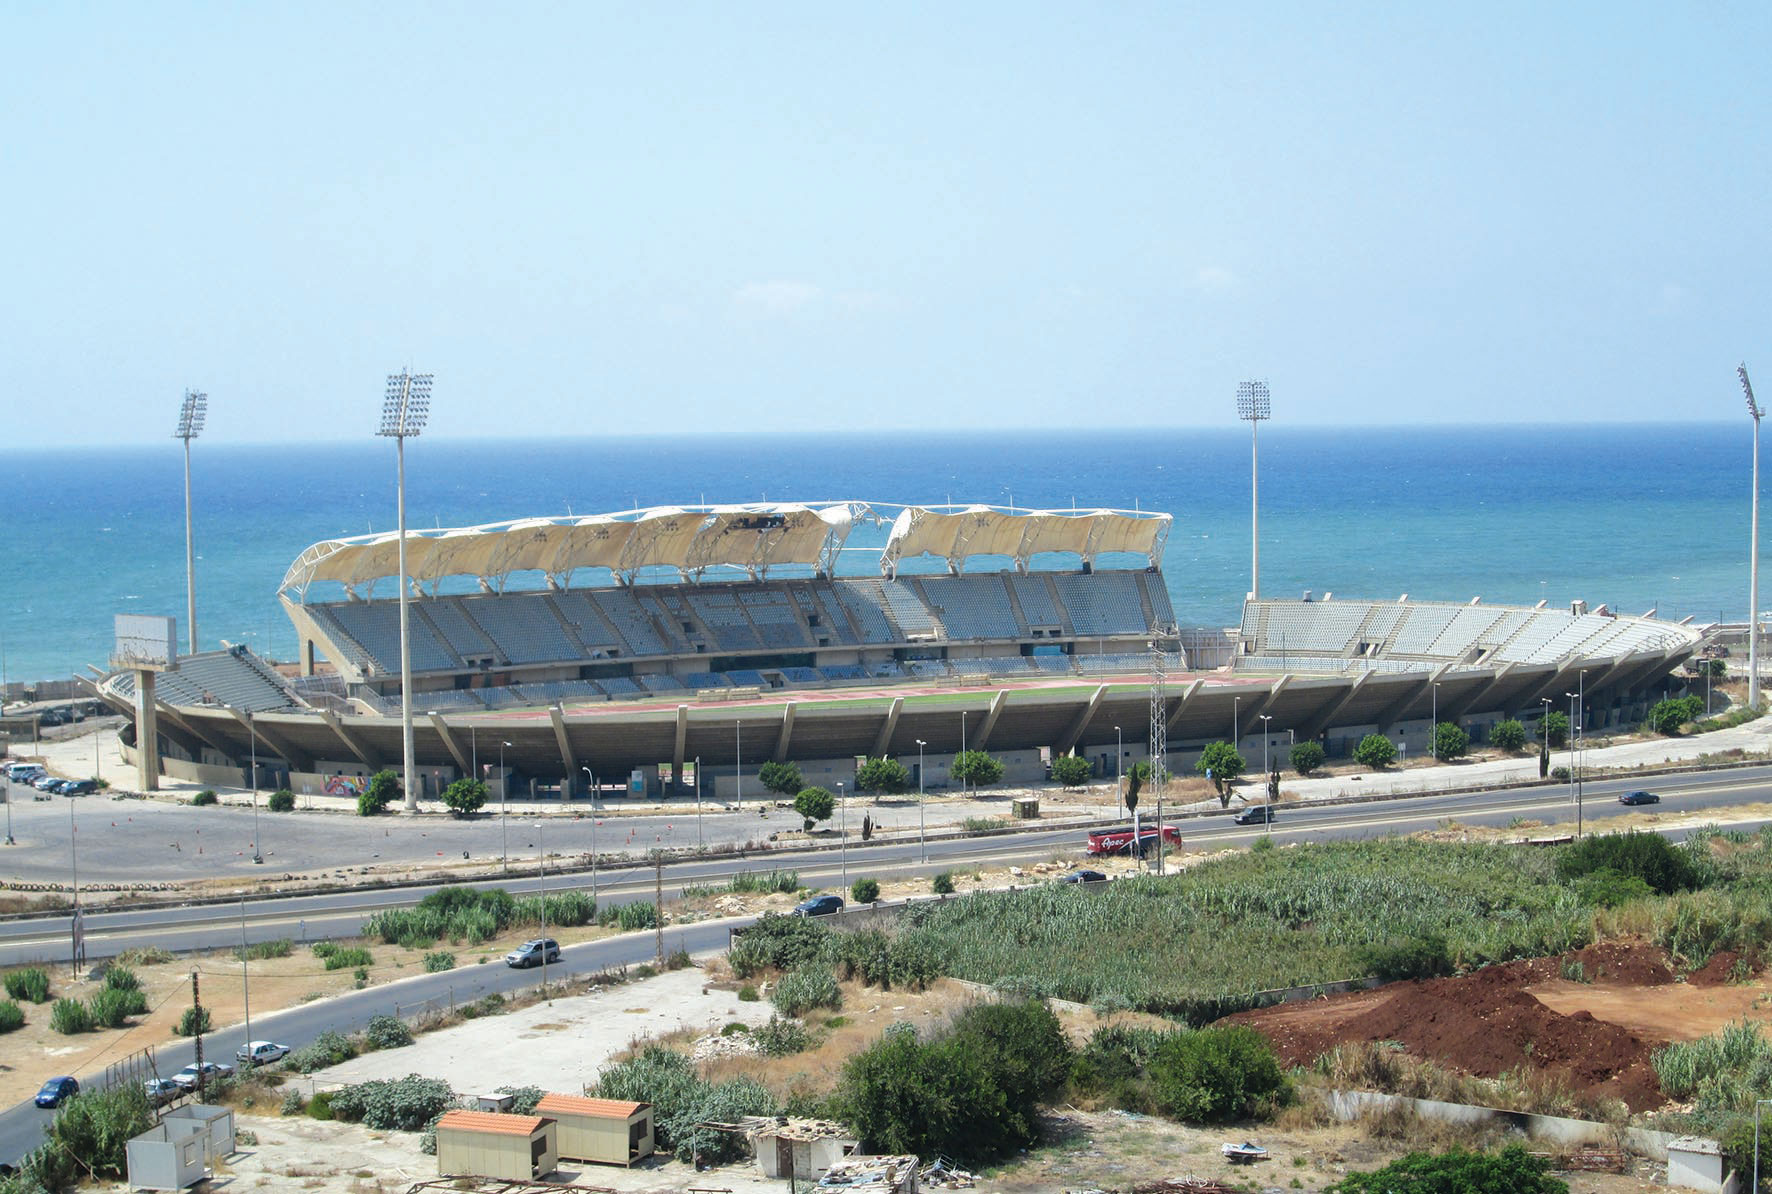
<point x="658" y="903"/>
<point x="197" y="1037"/>
<point x="245" y="980"/>
<point x="1159" y="738"/>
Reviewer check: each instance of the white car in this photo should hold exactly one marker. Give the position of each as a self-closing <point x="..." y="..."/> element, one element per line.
<point x="260" y="1053"/>
<point x="212" y="1070"/>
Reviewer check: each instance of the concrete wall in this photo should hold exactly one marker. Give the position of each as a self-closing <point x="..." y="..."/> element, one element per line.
<point x="1348" y="1105"/>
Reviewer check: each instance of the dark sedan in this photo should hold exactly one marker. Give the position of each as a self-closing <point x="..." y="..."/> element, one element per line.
<point x="822" y="905"/>
<point x="1083" y="877"/>
<point x="1639" y="798"/>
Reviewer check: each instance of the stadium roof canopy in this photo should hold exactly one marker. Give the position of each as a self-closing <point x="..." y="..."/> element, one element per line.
<point x="691" y="539"/>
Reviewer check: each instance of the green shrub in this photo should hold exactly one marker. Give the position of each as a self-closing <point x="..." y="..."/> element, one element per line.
<point x="387" y="1032"/>
<point x="1508" y="735"/>
<point x="748" y="994"/>
<point x="783" y="779"/>
<point x="564" y="909"/>
<point x="382" y="790"/>
<point x="800" y="991"/>
<point x="1560" y="774"/>
<point x="1217" y="1075"/>
<point x="865" y="891"/>
<point x="683" y="1103"/>
<point x="348" y="958"/>
<point x="679" y="959"/>
<point x="814" y="805"/>
<point x="1511" y="1171"/>
<point x="121" y="978"/>
<point x="30" y="984"/>
<point x="460" y="914"/>
<point x="1419" y="957"/>
<point x="110" y="1008"/>
<point x="193" y="1021"/>
<point x="638" y="915"/>
<point x="12" y="1017"/>
<point x="406" y="1104"/>
<point x="1306" y="757"/>
<point x="1113" y="1065"/>
<point x="1666" y="717"/>
<point x="778" y="942"/>
<point x="1646" y="856"/>
<point x="1375" y="751"/>
<point x="294" y="1102"/>
<point x="1069" y="771"/>
<point x="205" y="797"/>
<point x="281" y="801"/>
<point x="438" y="962"/>
<point x="327" y="1049"/>
<point x="887" y="777"/>
<point x="465" y="797"/>
<point x="70" y="1016"/>
<point x="906" y="960"/>
<point x="976" y="768"/>
<point x="943" y="883"/>
<point x="85" y="1142"/>
<point x="258" y="951"/>
<point x="1450" y="741"/>
<point x="320" y="1106"/>
<point x="782" y="1038"/>
<point x="1607" y="888"/>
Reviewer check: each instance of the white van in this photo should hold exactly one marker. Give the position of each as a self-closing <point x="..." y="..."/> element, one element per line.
<point x="24" y="773"/>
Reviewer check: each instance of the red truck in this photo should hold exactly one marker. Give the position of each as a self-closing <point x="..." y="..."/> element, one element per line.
<point x="1119" y="841"/>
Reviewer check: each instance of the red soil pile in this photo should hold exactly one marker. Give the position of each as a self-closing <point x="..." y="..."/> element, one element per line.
<point x="1716" y="972"/>
<point x="1631" y="963"/>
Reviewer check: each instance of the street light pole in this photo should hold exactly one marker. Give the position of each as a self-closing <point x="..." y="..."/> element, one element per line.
<point x="1574" y="763"/>
<point x="1119" y="772"/>
<point x="1753" y="566"/>
<point x="1267" y="774"/>
<point x="504" y="798"/>
<point x="963" y="745"/>
<point x="405" y="407"/>
<point x="843" y="835"/>
<point x="6" y="783"/>
<point x="698" y="841"/>
<point x="190" y="425"/>
<point x="252" y="732"/>
<point x="1433" y="727"/>
<point x="922" y="840"/>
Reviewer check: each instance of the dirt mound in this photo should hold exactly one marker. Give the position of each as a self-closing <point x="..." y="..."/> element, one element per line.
<point x="1631" y="962"/>
<point x="1716" y="972"/>
<point x="1483" y="1024"/>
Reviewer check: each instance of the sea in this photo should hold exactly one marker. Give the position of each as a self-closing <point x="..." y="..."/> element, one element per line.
<point x="1640" y="517"/>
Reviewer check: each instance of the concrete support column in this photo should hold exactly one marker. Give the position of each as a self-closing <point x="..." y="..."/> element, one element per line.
<point x="147" y="734"/>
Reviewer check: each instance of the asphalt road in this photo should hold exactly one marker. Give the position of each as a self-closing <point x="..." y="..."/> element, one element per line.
<point x="342" y="913"/>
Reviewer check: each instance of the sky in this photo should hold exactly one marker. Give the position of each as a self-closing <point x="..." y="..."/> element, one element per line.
<point x="591" y="219"/>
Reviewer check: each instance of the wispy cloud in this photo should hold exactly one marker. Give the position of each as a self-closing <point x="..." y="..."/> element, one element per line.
<point x="1215" y="277"/>
<point x="776" y="300"/>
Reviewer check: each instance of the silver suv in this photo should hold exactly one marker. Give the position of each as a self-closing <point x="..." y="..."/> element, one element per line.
<point x="534" y="953"/>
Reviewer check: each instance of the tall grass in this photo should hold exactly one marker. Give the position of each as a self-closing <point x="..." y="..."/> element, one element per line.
<point x="747" y="882"/>
<point x="1726" y="1071"/>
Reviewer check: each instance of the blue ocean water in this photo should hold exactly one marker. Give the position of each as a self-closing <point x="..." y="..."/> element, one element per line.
<point x="1636" y="516"/>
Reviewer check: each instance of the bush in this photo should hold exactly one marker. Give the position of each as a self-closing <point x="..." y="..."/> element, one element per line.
<point x="883" y="776"/>
<point x="800" y="991"/>
<point x="205" y="797"/>
<point x="406" y="1104"/>
<point x="1071" y="772"/>
<point x="1646" y="856"/>
<point x="281" y="801"/>
<point x="782" y="1038"/>
<point x="1556" y="725"/>
<point x="438" y="962"/>
<point x="293" y="1102"/>
<point x="972" y="1094"/>
<point x="110" y="1008"/>
<point x="464" y="797"/>
<point x="387" y="1032"/>
<point x="781" y="778"/>
<point x="976" y="768"/>
<point x="1306" y="757"/>
<point x="1421" y="957"/>
<point x="258" y="951"/>
<point x="382" y="790"/>
<point x="1560" y="774"/>
<point x="1607" y="888"/>
<point x="320" y="1106"/>
<point x="327" y="1049"/>
<point x="1375" y="751"/>
<point x="30" y="984"/>
<point x="1112" y="1066"/>
<point x="813" y="805"/>
<point x="452" y="913"/>
<point x="682" y="1100"/>
<point x="778" y="942"/>
<point x="193" y="1021"/>
<point x="70" y="1016"/>
<point x="943" y="883"/>
<point x="121" y="978"/>
<point x="1511" y="1171"/>
<point x="1450" y="742"/>
<point x="865" y="891"/>
<point x="12" y="1017"/>
<point x="1509" y="735"/>
<point x="86" y="1140"/>
<point x="1217" y="1075"/>
<point x="629" y="918"/>
<point x="348" y="959"/>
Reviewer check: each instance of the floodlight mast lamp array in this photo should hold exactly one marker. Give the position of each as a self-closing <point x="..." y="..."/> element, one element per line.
<point x="1253" y="407"/>
<point x="1753" y="565"/>
<point x="403" y="414"/>
<point x="190" y="425"/>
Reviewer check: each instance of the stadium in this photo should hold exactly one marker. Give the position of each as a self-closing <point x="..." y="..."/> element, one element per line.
<point x="675" y="649"/>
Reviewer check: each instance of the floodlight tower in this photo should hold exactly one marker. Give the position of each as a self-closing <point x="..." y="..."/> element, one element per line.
<point x="190" y="426"/>
<point x="1753" y="556"/>
<point x="1252" y="408"/>
<point x="403" y="414"/>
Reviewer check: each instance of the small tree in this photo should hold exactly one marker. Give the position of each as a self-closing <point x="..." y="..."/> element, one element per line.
<point x="383" y="789"/>
<point x="783" y="779"/>
<point x="281" y="801"/>
<point x="865" y="891"/>
<point x="976" y="768"/>
<point x="1307" y="757"/>
<point x="465" y="796"/>
<point x="194" y="1020"/>
<point x="1221" y="763"/>
<point x="882" y="776"/>
<point x="814" y="804"/>
<point x="1375" y="751"/>
<point x="1554" y="728"/>
<point x="1071" y="772"/>
<point x="1508" y="735"/>
<point x="1450" y="741"/>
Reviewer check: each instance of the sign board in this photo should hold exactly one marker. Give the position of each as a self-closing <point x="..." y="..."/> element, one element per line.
<point x="145" y="641"/>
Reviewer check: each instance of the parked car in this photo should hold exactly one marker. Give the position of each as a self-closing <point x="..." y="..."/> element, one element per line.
<point x="1257" y="814"/>
<point x="1639" y="798"/>
<point x="1083" y="876"/>
<point x="45" y="781"/>
<point x="79" y="787"/>
<point x="1119" y="841"/>
<point x="57" y="1091"/>
<point x="822" y="905"/>
<point x="534" y="953"/>
<point x="161" y="1091"/>
<point x="24" y="773"/>
<point x="187" y="1077"/>
<point x="260" y="1053"/>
